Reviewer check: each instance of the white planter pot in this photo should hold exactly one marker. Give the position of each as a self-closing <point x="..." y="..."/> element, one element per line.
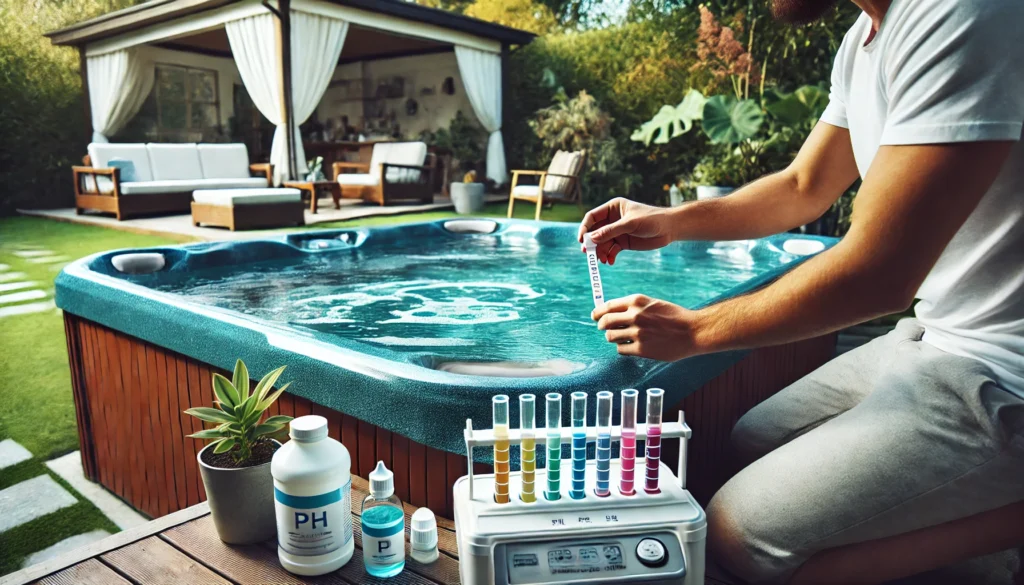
<point x="712" y="192"/>
<point x="467" y="197"/>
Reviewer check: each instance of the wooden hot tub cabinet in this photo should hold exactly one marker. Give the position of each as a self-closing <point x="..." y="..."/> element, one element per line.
<point x="130" y="394"/>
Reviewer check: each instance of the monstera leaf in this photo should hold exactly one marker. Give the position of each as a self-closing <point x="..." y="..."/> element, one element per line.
<point x="671" y="122"/>
<point x="728" y="120"/>
<point x="804" y="105"/>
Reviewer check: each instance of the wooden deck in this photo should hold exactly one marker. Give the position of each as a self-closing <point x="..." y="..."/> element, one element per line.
<point x="183" y="548"/>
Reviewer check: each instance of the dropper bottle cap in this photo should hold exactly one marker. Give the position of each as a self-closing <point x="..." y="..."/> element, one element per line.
<point x="382" y="482"/>
<point x="423" y="532"/>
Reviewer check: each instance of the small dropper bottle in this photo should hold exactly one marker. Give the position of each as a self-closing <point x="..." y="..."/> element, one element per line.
<point x="383" y="522"/>
<point x="423" y="537"/>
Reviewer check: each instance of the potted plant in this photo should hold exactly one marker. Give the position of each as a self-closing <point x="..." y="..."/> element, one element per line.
<point x="468" y="196"/>
<point x="235" y="466"/>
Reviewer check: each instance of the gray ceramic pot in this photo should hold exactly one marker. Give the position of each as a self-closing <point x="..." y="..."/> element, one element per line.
<point x="241" y="502"/>
<point x="467" y="197"/>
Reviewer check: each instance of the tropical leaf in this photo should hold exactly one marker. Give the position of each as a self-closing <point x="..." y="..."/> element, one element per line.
<point x="265" y="429"/>
<point x="240" y="380"/>
<point x="216" y="433"/>
<point x="210" y="414"/>
<point x="671" y="122"/>
<point x="267" y="383"/>
<point x="279" y="419"/>
<point x="270" y="400"/>
<point x="805" y="105"/>
<point x="224" y="445"/>
<point x="729" y="121"/>
<point x="225" y="391"/>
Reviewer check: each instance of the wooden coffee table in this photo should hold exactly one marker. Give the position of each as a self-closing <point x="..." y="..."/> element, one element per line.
<point x="314" y="188"/>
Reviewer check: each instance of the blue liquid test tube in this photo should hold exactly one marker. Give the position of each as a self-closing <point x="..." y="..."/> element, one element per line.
<point x="579" y="446"/>
<point x="553" y="412"/>
<point x="604" y="443"/>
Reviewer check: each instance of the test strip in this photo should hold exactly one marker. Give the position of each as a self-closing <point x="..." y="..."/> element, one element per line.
<point x="627" y="448"/>
<point x="604" y="443"/>
<point x="655" y="397"/>
<point x="527" y="448"/>
<point x="553" y="413"/>
<point x="595" y="275"/>
<point x="499" y="410"/>
<point x="579" y="446"/>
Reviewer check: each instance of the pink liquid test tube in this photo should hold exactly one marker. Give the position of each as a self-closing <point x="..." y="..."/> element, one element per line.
<point x="627" y="447"/>
<point x="655" y="398"/>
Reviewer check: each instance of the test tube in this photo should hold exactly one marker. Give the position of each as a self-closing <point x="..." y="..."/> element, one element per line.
<point x="554" y="439"/>
<point x="655" y="397"/>
<point x="604" y="442"/>
<point x="527" y="447"/>
<point x="627" y="455"/>
<point x="595" y="275"/>
<point x="579" y="445"/>
<point x="499" y="408"/>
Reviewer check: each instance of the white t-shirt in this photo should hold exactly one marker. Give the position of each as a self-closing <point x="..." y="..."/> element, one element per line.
<point x="941" y="71"/>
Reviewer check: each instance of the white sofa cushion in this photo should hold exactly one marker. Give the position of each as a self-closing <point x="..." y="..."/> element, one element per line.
<point x="224" y="161"/>
<point x="174" y="162"/>
<point x="529" y="191"/>
<point x="101" y="153"/>
<point x="398" y="153"/>
<point x="357" y="179"/>
<point x="563" y="163"/>
<point x="181" y="186"/>
<point x="232" y="197"/>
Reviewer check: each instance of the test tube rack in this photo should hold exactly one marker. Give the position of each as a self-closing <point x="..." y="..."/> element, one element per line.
<point x="669" y="430"/>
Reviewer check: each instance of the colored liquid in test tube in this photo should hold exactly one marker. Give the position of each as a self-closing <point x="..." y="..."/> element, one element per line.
<point x="499" y="409"/>
<point x="604" y="442"/>
<point x="627" y="449"/>
<point x="595" y="275"/>
<point x="579" y="446"/>
<point x="527" y="448"/>
<point x="655" y="397"/>
<point x="553" y="413"/>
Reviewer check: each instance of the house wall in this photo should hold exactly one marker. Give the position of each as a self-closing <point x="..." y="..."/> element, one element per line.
<point x="227" y="73"/>
<point x="420" y="71"/>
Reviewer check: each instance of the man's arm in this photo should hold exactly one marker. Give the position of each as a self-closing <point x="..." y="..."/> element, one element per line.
<point x="821" y="172"/>
<point x="912" y="202"/>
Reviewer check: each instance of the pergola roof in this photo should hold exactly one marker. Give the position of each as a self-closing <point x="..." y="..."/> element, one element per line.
<point x="158" y="11"/>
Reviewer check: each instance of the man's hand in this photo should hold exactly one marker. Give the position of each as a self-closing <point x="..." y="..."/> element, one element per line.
<point x="622" y="224"/>
<point x="646" y="327"/>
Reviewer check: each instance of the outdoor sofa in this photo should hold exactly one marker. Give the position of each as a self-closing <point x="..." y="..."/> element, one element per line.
<point x="137" y="179"/>
<point x="396" y="171"/>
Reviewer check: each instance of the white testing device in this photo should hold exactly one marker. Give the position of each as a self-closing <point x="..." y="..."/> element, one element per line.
<point x="655" y="539"/>
<point x="595" y="274"/>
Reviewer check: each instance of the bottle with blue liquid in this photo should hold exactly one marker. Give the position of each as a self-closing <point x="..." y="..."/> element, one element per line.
<point x="383" y="522"/>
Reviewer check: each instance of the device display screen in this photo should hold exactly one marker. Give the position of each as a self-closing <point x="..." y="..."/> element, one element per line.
<point x="562" y="559"/>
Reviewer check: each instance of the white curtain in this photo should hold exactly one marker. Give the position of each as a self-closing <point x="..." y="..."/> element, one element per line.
<point x="481" y="74"/>
<point x="119" y="83"/>
<point x="316" y="47"/>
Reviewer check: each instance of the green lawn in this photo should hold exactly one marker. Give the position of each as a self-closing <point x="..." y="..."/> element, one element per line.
<point x="524" y="210"/>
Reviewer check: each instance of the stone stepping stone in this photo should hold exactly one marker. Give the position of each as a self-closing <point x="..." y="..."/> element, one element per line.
<point x="9" y="276"/>
<point x="32" y="253"/>
<point x="12" y="453"/>
<point x="25" y="295"/>
<point x="17" y="285"/>
<point x="4" y="267"/>
<point x="26" y="309"/>
<point x="66" y="545"/>
<point x="69" y="468"/>
<point x="47" y="259"/>
<point x="31" y="499"/>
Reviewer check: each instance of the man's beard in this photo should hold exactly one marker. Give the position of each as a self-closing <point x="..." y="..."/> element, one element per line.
<point x="800" y="11"/>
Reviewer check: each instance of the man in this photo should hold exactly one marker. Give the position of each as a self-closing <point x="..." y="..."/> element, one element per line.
<point x="908" y="453"/>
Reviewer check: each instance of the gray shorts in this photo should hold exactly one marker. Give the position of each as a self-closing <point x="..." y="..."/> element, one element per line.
<point x="891" y="437"/>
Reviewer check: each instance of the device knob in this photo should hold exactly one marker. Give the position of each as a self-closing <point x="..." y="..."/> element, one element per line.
<point x="651" y="552"/>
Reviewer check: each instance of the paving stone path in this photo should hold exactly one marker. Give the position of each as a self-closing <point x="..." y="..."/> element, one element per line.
<point x="20" y="296"/>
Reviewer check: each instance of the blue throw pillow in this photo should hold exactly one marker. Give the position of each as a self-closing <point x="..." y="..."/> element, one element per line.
<point x="127" y="168"/>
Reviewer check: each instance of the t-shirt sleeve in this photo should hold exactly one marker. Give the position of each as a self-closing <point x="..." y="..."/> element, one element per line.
<point x="952" y="72"/>
<point x="835" y="111"/>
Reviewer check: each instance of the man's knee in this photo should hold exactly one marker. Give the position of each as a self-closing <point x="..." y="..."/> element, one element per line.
<point x="753" y="437"/>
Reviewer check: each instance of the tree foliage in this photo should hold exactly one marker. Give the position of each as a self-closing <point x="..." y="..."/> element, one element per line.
<point x="522" y="14"/>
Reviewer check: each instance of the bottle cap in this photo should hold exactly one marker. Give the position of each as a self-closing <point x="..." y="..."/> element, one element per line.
<point x="588" y="242"/>
<point x="423" y="532"/>
<point x="382" y="482"/>
<point x="308" y="428"/>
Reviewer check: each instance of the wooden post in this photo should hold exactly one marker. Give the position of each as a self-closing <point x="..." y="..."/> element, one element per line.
<point x="286" y="72"/>
<point x="83" y="68"/>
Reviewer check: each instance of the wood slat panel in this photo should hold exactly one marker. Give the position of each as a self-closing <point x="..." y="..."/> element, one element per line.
<point x="400" y="465"/>
<point x="437" y="482"/>
<point x="154" y="561"/>
<point x="90" y="572"/>
<point x="367" y="448"/>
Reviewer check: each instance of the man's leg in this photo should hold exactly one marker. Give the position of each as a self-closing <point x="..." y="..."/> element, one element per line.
<point x="935" y="441"/>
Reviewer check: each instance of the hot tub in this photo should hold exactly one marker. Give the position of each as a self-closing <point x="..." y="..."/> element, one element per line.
<point x="397" y="335"/>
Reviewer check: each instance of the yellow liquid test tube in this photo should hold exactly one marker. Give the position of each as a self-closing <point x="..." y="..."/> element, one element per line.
<point x="528" y="446"/>
<point x="499" y="409"/>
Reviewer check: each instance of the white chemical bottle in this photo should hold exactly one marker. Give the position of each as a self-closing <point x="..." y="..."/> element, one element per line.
<point x="313" y="499"/>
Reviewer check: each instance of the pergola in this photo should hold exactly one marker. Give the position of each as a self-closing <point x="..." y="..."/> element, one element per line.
<point x="286" y="53"/>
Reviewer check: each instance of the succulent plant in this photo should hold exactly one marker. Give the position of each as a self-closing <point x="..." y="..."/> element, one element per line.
<point x="238" y="414"/>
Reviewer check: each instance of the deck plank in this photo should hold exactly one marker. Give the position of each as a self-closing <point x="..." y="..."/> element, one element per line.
<point x="154" y="561"/>
<point x="88" y="572"/>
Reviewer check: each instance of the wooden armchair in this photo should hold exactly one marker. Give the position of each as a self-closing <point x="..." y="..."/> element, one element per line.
<point x="385" y="182"/>
<point x="560" y="183"/>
